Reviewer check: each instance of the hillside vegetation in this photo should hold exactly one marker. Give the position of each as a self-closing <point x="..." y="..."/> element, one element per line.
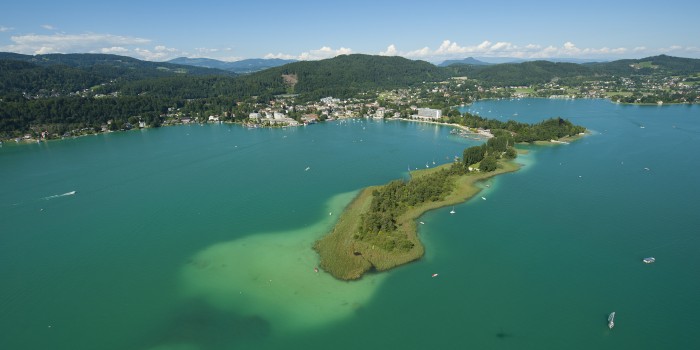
<point x="64" y="91"/>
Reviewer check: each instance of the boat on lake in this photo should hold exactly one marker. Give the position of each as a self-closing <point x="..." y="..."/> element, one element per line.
<point x="611" y="320"/>
<point x="649" y="260"/>
<point x="453" y="210"/>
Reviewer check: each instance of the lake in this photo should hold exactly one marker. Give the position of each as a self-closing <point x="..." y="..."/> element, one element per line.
<point x="199" y="237"/>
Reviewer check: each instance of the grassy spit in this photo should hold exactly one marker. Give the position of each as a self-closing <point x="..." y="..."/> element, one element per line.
<point x="347" y="258"/>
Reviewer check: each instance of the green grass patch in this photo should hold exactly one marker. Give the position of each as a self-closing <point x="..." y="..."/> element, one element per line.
<point x="616" y="93"/>
<point x="527" y="90"/>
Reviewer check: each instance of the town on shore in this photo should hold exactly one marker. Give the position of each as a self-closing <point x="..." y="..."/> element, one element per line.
<point x="432" y="103"/>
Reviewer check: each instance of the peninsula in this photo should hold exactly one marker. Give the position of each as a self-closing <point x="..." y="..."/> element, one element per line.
<point x="377" y="231"/>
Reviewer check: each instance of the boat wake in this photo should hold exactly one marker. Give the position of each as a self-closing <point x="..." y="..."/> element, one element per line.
<point x="71" y="193"/>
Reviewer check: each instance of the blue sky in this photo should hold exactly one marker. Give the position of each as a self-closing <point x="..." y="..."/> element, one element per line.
<point x="429" y="30"/>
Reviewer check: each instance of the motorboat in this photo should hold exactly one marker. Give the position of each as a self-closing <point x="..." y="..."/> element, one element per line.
<point x="611" y="320"/>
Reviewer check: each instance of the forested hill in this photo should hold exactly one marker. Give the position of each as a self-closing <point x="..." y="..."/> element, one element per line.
<point x="342" y="76"/>
<point x="242" y="66"/>
<point x="661" y="64"/>
<point x="64" y="73"/>
<point x="349" y="74"/>
<point x="116" y="63"/>
<point x="535" y="72"/>
<point x="525" y="73"/>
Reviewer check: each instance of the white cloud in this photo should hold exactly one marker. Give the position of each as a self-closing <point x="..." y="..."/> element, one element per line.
<point x="141" y="48"/>
<point x="390" y="51"/>
<point x="319" y="54"/>
<point x="205" y="51"/>
<point x="159" y="53"/>
<point x="48" y="27"/>
<point x="420" y="53"/>
<point x="283" y="56"/>
<point x="34" y="44"/>
<point x="450" y="50"/>
<point x="5" y="29"/>
<point x="113" y="50"/>
<point x="161" y="48"/>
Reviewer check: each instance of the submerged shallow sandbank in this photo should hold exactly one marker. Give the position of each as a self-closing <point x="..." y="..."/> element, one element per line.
<point x="272" y="276"/>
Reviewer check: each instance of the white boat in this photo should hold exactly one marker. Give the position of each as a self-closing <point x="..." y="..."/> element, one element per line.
<point x="649" y="260"/>
<point x="611" y="320"/>
<point x="484" y="198"/>
<point x="453" y="210"/>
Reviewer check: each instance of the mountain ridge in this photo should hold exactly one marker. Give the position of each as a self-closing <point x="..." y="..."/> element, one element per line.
<point x="243" y="66"/>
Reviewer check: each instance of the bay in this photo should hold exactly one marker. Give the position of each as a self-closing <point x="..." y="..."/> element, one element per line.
<point x="199" y="237"/>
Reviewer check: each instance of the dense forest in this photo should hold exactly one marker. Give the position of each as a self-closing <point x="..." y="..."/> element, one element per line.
<point x="534" y="72"/>
<point x="550" y="129"/>
<point x="518" y="74"/>
<point x="345" y="76"/>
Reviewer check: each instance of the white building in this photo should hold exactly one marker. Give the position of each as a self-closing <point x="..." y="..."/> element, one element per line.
<point x="428" y="113"/>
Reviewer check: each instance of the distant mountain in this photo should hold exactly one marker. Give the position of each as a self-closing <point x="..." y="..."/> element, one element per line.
<point x="243" y="66"/>
<point x="117" y="64"/>
<point x="498" y="60"/>
<point x="64" y="73"/>
<point x="468" y="60"/>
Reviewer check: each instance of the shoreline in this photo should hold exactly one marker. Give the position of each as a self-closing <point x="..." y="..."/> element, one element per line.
<point x="31" y="140"/>
<point x="346" y="258"/>
<point x="458" y="126"/>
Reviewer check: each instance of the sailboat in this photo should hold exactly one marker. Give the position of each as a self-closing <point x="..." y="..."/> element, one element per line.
<point x="611" y="320"/>
<point x="453" y="210"/>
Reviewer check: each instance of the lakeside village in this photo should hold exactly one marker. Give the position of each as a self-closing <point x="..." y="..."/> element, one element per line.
<point x="430" y="102"/>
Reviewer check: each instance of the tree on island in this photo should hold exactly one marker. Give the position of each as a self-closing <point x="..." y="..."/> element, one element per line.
<point x="473" y="155"/>
<point x="489" y="163"/>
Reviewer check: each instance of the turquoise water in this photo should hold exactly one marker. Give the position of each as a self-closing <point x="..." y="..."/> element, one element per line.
<point x="198" y="237"/>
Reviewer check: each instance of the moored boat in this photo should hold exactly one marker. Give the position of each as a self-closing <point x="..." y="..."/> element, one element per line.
<point x="611" y="320"/>
<point x="649" y="260"/>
